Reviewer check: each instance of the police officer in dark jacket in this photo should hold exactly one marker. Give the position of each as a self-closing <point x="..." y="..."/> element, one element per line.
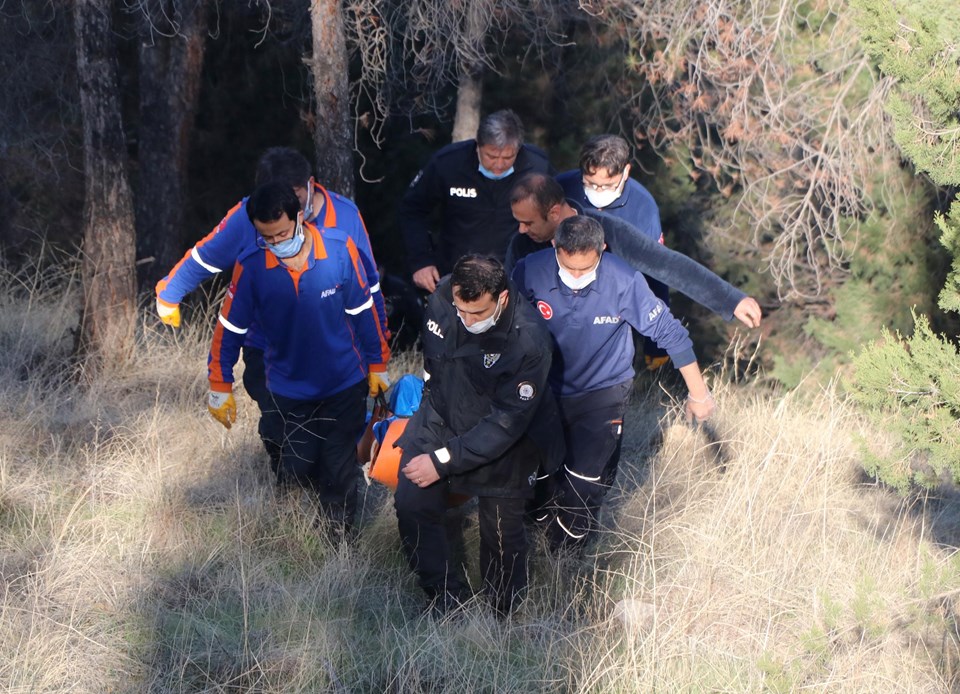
<point x="487" y="423"/>
<point x="469" y="182"/>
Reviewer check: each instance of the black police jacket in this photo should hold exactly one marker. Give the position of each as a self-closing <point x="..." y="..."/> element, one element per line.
<point x="475" y="214"/>
<point x="488" y="418"/>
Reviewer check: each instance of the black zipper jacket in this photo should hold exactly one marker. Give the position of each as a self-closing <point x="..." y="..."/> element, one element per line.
<point x="475" y="214"/>
<point x="488" y="418"/>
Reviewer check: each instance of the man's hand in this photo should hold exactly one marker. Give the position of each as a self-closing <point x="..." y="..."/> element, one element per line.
<point x="222" y="407"/>
<point x="700" y="409"/>
<point x="748" y="312"/>
<point x="427" y="278"/>
<point x="379" y="382"/>
<point x="420" y="471"/>
<point x="169" y="315"/>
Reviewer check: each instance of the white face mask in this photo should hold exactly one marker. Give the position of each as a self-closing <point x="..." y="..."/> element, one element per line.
<point x="482" y="326"/>
<point x="602" y="198"/>
<point x="577" y="283"/>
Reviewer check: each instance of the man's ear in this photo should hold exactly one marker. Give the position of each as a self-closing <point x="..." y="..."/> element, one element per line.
<point x="553" y="214"/>
<point x="627" y="170"/>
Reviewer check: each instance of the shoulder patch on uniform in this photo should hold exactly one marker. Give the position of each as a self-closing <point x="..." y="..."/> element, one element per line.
<point x="526" y="390"/>
<point x="490" y="359"/>
<point x="545" y="309"/>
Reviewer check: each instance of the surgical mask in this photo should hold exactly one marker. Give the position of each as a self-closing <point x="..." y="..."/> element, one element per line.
<point x="576" y="283"/>
<point x="308" y="207"/>
<point x="290" y="247"/>
<point x="607" y="196"/>
<point x="487" y="173"/>
<point x="601" y="198"/>
<point x="482" y="326"/>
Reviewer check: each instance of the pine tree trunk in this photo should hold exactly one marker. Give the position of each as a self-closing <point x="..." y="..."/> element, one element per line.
<point x="109" y="309"/>
<point x="332" y="132"/>
<point x="171" y="57"/>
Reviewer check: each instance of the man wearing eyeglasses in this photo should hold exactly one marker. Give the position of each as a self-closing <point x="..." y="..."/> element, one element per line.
<point x="235" y="236"/>
<point x="603" y="183"/>
<point x="309" y="296"/>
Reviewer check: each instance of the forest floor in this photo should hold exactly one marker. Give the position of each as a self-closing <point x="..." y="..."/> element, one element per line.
<point x="144" y="548"/>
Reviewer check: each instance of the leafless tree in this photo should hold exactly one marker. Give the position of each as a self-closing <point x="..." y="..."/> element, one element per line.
<point x="332" y="131"/>
<point x="774" y="102"/>
<point x="39" y="116"/>
<point x="171" y="49"/>
<point x="413" y="51"/>
<point x="109" y="309"/>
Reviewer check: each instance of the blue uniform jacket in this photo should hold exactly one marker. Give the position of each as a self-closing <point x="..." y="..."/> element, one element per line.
<point x="635" y="205"/>
<point x="591" y="327"/>
<point x="235" y="237"/>
<point x="319" y="323"/>
<point x="651" y="258"/>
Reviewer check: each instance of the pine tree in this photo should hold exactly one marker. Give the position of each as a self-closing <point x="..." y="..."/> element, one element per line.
<point x="912" y="386"/>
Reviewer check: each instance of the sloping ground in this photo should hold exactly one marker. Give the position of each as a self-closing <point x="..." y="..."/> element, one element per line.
<point x="143" y="548"/>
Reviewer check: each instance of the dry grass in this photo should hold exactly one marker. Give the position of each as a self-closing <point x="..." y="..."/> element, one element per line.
<point x="143" y="548"/>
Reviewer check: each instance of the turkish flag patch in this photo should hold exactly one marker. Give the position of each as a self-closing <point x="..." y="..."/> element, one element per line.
<point x="545" y="310"/>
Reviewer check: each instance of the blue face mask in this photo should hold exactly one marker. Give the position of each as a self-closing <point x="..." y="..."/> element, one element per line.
<point x="487" y="173"/>
<point x="290" y="247"/>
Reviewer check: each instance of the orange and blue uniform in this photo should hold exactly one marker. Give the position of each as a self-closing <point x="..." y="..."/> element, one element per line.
<point x="322" y="337"/>
<point x="319" y="324"/>
<point x="235" y="237"/>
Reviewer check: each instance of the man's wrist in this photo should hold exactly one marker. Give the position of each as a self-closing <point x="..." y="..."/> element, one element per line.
<point x="441" y="460"/>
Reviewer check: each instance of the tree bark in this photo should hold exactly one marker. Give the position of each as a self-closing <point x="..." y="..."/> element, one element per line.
<point x="332" y="131"/>
<point x="469" y="98"/>
<point x="109" y="308"/>
<point x="171" y="57"/>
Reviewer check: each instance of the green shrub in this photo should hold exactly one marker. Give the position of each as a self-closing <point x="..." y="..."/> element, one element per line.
<point x="911" y="386"/>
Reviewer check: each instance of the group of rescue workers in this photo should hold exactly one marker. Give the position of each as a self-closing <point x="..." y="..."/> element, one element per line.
<point x="536" y="284"/>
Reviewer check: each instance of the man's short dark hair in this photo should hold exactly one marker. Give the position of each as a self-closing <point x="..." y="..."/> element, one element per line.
<point x="501" y="129"/>
<point x="579" y="234"/>
<point x="270" y="201"/>
<point x="284" y="165"/>
<point x="476" y="275"/>
<point x="543" y="189"/>
<point x="608" y="152"/>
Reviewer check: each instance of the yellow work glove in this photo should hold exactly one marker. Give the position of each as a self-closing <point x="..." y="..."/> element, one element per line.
<point x="379" y="382"/>
<point x="222" y="407"/>
<point x="169" y="315"/>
